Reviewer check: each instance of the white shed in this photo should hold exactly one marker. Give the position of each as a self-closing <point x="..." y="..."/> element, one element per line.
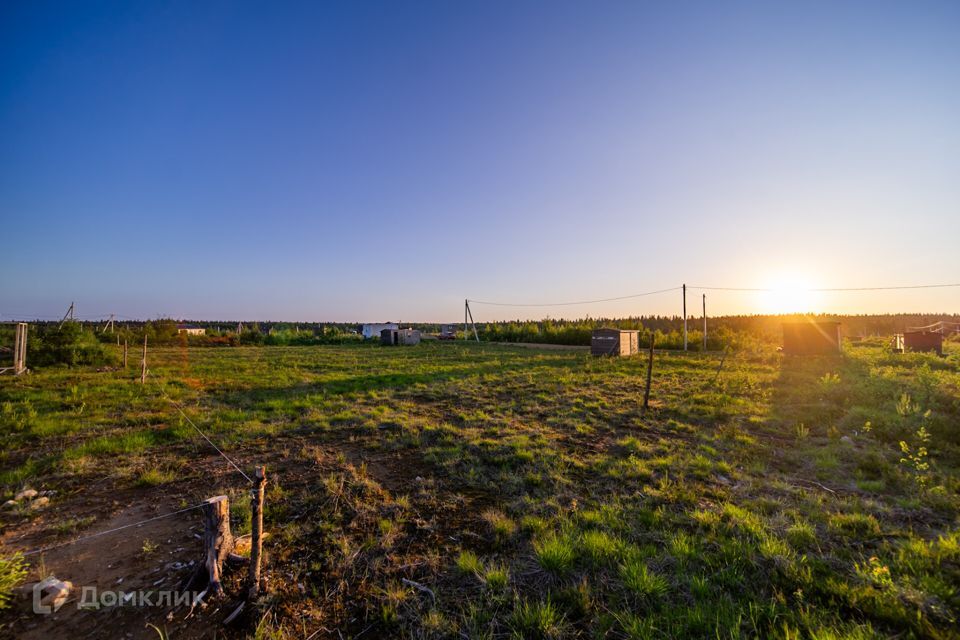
<point x="373" y="330"/>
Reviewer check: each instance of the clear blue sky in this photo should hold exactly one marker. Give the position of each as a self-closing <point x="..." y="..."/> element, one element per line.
<point x="367" y="160"/>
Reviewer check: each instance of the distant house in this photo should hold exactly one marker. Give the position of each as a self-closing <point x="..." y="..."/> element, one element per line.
<point x="448" y="332"/>
<point x="191" y="329"/>
<point x="614" y="342"/>
<point x="919" y="341"/>
<point x="404" y="337"/>
<point x="373" y="330"/>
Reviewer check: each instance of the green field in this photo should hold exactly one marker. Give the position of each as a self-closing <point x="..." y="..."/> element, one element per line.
<point x="485" y="491"/>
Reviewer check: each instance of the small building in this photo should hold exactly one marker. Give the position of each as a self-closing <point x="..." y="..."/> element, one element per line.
<point x="373" y="330"/>
<point x="404" y="337"/>
<point x="448" y="332"/>
<point x="923" y="341"/>
<point x="614" y="342"/>
<point x="191" y="330"/>
<point x="811" y="338"/>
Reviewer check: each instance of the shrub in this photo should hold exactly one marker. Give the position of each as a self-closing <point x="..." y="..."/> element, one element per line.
<point x="72" y="345"/>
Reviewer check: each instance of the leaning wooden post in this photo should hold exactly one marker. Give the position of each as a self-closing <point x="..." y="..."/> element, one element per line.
<point x="646" y="392"/>
<point x="124" y="354"/>
<point x="256" y="535"/>
<point x="217" y="539"/>
<point x="143" y="362"/>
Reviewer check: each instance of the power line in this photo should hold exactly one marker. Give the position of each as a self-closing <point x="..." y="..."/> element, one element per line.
<point x="103" y="533"/>
<point x="826" y="289"/>
<point x="563" y="304"/>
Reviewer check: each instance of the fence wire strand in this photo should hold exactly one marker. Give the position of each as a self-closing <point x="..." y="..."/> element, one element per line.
<point x="197" y="429"/>
<point x="114" y="530"/>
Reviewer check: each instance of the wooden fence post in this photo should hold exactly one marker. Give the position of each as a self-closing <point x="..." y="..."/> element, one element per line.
<point x="143" y="362"/>
<point x="124" y="354"/>
<point x="646" y="392"/>
<point x="256" y="535"/>
<point x="217" y="539"/>
<point x="20" y="349"/>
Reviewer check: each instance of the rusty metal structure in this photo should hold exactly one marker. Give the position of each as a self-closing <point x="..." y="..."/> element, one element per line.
<point x="923" y="341"/>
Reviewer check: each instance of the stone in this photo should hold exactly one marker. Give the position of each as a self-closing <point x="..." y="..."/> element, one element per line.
<point x="10" y="504"/>
<point x="40" y="503"/>
<point x="26" y="494"/>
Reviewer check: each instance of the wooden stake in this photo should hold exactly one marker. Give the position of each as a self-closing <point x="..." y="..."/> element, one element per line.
<point x="646" y="392"/>
<point x="20" y="349"/>
<point x="256" y="535"/>
<point x="704" y="323"/>
<point x="124" y="354"/>
<point x="684" y="317"/>
<point x="217" y="539"/>
<point x="143" y="362"/>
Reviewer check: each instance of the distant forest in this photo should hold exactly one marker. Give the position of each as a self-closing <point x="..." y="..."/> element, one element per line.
<point x="78" y="339"/>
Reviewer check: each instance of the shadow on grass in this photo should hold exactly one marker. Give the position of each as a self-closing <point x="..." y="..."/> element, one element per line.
<point x="395" y="381"/>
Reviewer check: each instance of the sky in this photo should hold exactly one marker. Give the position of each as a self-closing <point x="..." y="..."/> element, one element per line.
<point x="366" y="161"/>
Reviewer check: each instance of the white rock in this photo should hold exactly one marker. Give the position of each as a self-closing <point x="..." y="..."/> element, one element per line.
<point x="26" y="494"/>
<point x="10" y="504"/>
<point x="40" y="503"/>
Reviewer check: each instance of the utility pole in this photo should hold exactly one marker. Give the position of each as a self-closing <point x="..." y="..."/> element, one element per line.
<point x="68" y="314"/>
<point x="704" y="323"/>
<point x="472" y="323"/>
<point x="466" y="307"/>
<point x="684" y="317"/>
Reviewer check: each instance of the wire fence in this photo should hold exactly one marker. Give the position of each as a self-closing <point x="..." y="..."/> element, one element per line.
<point x="114" y="530"/>
<point x="141" y="523"/>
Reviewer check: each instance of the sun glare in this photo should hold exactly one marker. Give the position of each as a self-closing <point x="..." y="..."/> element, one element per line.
<point x="788" y="293"/>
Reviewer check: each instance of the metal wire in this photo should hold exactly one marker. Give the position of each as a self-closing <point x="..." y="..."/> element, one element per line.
<point x="209" y="441"/>
<point x="563" y="304"/>
<point x="913" y="286"/>
<point x="114" y="530"/>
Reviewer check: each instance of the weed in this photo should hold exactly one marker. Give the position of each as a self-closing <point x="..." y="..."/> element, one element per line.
<point x="555" y="553"/>
<point x="468" y="562"/>
<point x="537" y="620"/>
<point x="13" y="570"/>
<point x="642" y="582"/>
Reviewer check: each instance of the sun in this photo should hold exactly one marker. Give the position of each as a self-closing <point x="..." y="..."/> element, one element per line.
<point x="788" y="293"/>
